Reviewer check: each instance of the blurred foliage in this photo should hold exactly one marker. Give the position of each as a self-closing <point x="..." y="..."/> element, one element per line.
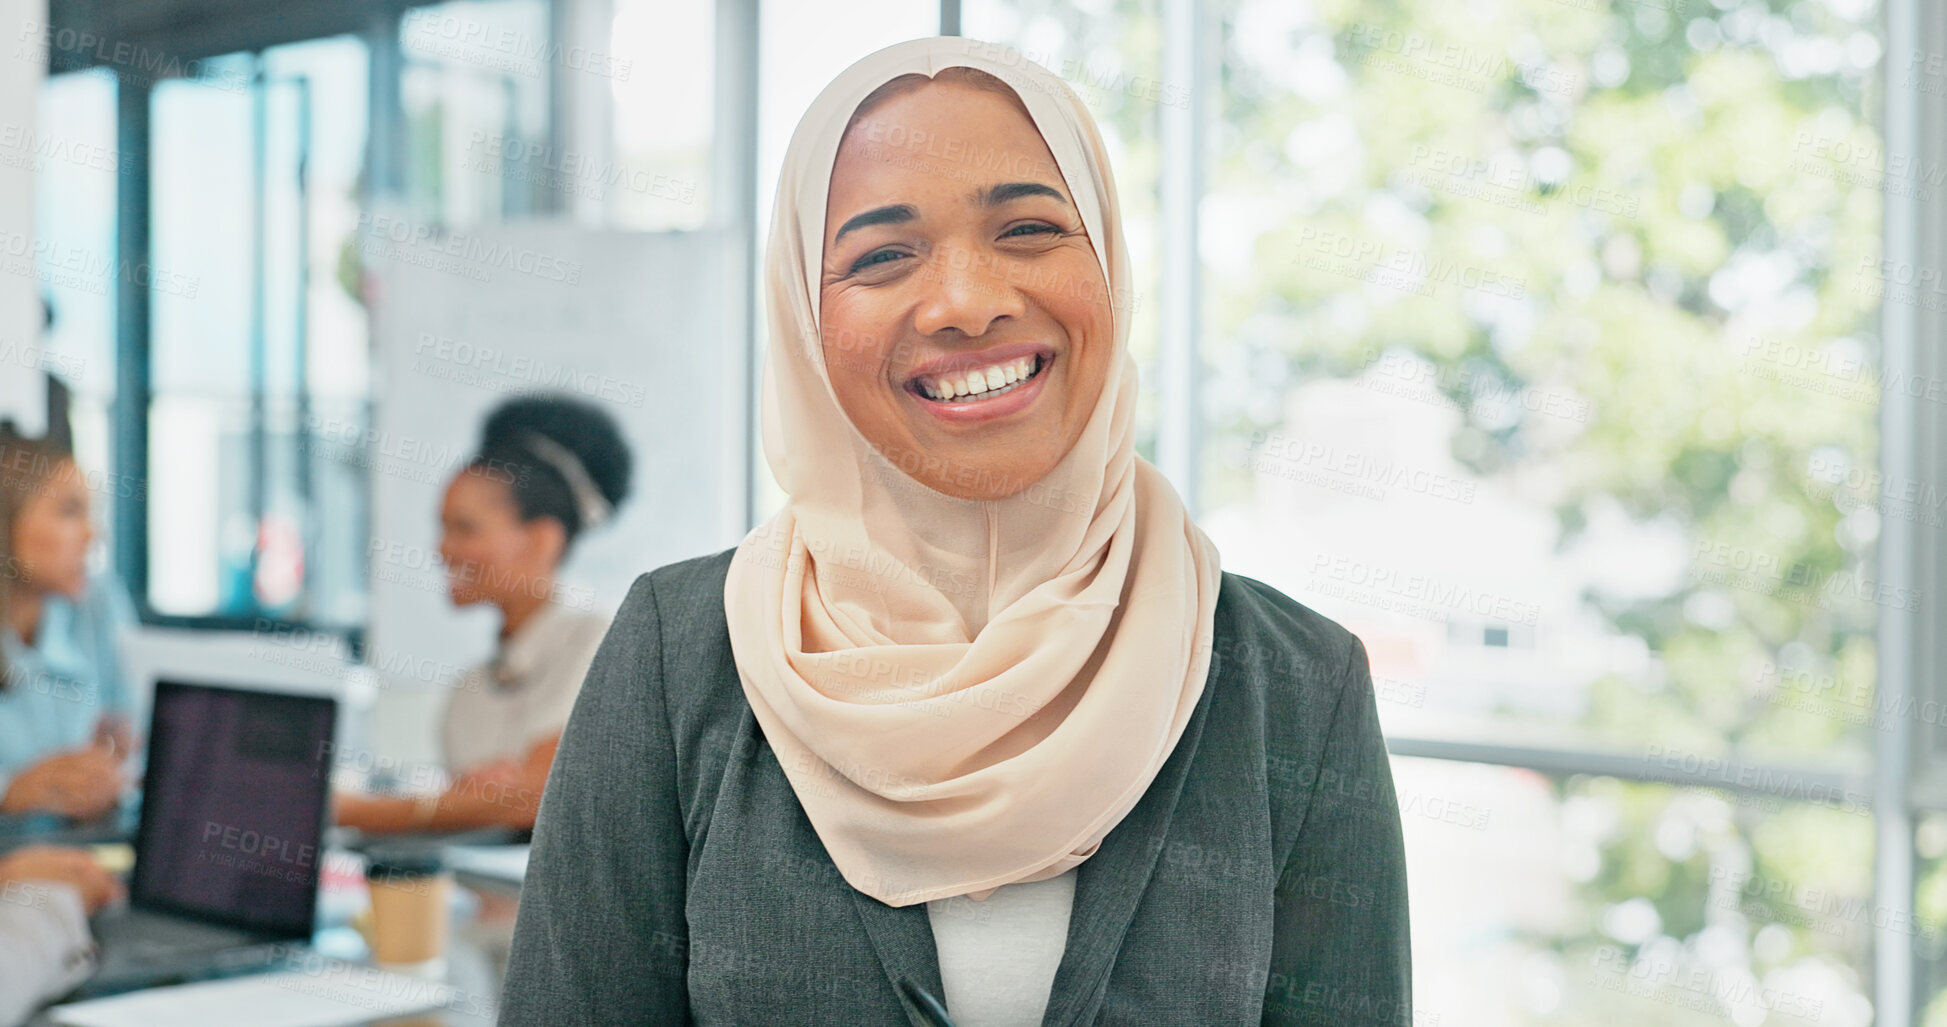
<point x="1631" y="185"/>
<point x="1634" y="203"/>
<point x="1629" y="189"/>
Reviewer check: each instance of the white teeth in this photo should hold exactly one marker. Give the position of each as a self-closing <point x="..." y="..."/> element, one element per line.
<point x="984" y="380"/>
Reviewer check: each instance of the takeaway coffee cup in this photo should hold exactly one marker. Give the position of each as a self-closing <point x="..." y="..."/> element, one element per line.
<point x="409" y="909"/>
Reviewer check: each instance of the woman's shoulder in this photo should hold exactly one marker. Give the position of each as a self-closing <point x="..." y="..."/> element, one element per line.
<point x="1262" y="632"/>
<point x="695" y="578"/>
<point x="685" y="598"/>
<point x="103" y="605"/>
<point x="1256" y="618"/>
<point x="674" y="614"/>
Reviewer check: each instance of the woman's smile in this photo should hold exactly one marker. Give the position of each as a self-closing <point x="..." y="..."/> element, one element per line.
<point x="982" y="386"/>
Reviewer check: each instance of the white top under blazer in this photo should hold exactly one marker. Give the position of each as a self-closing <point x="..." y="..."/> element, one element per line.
<point x="998" y="957"/>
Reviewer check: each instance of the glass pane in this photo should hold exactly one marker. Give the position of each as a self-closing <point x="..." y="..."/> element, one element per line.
<point x="203" y="223"/>
<point x="659" y="179"/>
<point x="76" y="162"/>
<point x="333" y="75"/>
<point x="202" y="532"/>
<point x="312" y="564"/>
<point x="475" y="91"/>
<point x="1927" y="940"/>
<point x="1540" y="341"/>
<point x="1591" y="902"/>
<point x="249" y="515"/>
<point x="203" y="210"/>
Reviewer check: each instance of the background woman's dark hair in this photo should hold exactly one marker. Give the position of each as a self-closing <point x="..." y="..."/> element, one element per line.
<point x="26" y="464"/>
<point x="513" y="449"/>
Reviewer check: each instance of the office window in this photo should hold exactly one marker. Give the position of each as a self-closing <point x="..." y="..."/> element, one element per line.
<point x="1576" y="285"/>
<point x="77" y="160"/>
<point x="1926" y="933"/>
<point x="1544" y="323"/>
<point x="663" y="95"/>
<point x="258" y="354"/>
<point x="475" y="88"/>
<point x="1588" y="901"/>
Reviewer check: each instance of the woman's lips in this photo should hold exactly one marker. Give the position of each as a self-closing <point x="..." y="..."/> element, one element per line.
<point x="988" y="405"/>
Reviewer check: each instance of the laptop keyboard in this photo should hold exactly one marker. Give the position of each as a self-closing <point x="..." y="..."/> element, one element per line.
<point x="149" y="938"/>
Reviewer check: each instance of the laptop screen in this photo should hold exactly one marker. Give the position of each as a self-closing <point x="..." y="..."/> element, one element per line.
<point x="233" y="806"/>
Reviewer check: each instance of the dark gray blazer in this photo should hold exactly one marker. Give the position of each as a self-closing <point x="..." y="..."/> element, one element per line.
<point x="676" y="880"/>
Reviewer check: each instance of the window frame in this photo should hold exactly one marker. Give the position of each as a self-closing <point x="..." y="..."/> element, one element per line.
<point x="211" y="29"/>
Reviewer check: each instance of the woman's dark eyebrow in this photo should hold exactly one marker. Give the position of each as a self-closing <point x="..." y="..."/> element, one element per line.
<point x="997" y="195"/>
<point x="897" y="214"/>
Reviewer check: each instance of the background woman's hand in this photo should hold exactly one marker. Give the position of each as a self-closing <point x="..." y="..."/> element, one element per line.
<point x="81" y="784"/>
<point x="499" y="774"/>
<point x="350" y="809"/>
<point x="73" y="867"/>
<point x="114" y="733"/>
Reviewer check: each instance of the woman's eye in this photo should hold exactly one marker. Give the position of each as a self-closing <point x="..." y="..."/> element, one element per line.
<point x="873" y="258"/>
<point x="1031" y="228"/>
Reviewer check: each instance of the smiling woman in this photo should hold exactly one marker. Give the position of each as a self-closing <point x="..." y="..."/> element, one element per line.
<point x="971" y="324"/>
<point x="977" y="716"/>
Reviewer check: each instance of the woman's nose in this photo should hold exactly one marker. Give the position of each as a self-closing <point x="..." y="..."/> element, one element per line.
<point x="964" y="291"/>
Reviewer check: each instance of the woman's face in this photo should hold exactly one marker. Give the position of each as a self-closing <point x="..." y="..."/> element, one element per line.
<point x="964" y="317"/>
<point x="491" y="555"/>
<point x="52" y="532"/>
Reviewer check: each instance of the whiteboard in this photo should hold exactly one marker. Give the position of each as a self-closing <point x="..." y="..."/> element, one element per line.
<point x="637" y="323"/>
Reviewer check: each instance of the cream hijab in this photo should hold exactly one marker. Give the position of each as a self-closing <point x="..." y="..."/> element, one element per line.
<point x="963" y="694"/>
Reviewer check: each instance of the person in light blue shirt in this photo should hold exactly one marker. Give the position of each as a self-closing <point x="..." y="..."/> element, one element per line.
<point x="64" y="725"/>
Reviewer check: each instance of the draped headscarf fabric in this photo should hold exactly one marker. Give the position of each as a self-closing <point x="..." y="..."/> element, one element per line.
<point x="962" y="693"/>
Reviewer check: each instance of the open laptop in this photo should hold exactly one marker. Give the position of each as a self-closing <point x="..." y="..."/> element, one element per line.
<point x="231" y="837"/>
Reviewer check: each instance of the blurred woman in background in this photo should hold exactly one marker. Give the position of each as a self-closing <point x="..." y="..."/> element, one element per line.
<point x="548" y="469"/>
<point x="64" y="727"/>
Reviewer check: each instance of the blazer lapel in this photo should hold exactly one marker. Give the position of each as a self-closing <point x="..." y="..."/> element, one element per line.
<point x="1110" y="884"/>
<point x="903" y="938"/>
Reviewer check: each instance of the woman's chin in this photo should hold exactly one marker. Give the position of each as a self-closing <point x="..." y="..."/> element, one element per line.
<point x="980" y="478"/>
